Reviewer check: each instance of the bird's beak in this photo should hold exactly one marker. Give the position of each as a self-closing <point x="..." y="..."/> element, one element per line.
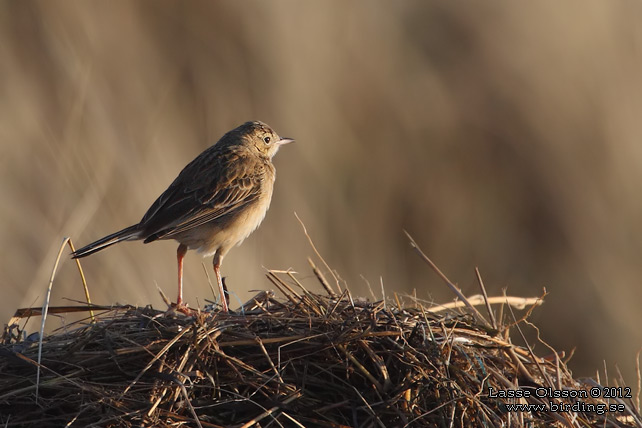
<point x="284" y="141"/>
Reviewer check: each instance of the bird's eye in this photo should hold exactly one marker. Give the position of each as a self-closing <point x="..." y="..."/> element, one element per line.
<point x="267" y="140"/>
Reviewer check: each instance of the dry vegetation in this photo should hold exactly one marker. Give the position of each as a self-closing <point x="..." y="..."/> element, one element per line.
<point x="306" y="360"/>
<point x="504" y="135"/>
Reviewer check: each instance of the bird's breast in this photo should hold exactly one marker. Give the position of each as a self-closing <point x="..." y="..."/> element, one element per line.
<point x="227" y="232"/>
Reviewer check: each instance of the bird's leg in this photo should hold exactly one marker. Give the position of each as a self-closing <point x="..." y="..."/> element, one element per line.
<point x="180" y="254"/>
<point x="217" y="271"/>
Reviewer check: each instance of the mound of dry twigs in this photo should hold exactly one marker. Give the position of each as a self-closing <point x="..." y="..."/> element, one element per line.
<point x="307" y="360"/>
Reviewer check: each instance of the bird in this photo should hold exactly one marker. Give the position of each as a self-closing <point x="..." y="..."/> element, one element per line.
<point x="214" y="203"/>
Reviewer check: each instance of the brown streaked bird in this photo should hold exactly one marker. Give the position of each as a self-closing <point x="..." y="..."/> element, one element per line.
<point x="216" y="201"/>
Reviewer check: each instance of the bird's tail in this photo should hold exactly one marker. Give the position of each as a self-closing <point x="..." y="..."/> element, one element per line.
<point x="127" y="234"/>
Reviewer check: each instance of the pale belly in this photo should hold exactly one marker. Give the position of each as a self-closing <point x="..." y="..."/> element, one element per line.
<point x="223" y="234"/>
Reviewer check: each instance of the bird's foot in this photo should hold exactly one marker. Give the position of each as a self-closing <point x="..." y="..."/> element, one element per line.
<point x="180" y="307"/>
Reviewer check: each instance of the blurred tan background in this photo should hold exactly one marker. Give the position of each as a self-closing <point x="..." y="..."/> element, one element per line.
<point x="499" y="135"/>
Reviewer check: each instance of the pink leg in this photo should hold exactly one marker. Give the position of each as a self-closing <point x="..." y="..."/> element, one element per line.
<point x="217" y="271"/>
<point x="180" y="253"/>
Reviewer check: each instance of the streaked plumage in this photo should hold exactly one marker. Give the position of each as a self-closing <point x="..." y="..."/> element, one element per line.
<point x="216" y="201"/>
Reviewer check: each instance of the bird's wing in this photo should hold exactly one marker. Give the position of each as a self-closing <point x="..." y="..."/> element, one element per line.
<point x="208" y="188"/>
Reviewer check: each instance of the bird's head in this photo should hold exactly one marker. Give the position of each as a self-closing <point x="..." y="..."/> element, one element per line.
<point x="261" y="137"/>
